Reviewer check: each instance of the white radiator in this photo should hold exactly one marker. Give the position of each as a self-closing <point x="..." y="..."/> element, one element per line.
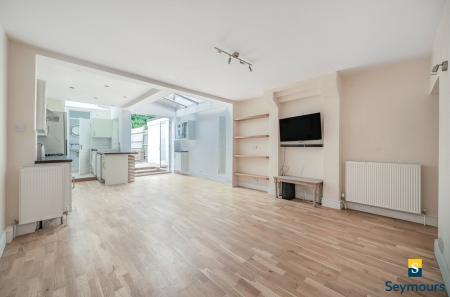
<point x="387" y="185"/>
<point x="42" y="193"/>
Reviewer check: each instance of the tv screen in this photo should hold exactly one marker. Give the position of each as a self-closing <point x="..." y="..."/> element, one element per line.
<point x="305" y="127"/>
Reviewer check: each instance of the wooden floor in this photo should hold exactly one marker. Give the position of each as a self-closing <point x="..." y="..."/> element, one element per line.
<point x="173" y="235"/>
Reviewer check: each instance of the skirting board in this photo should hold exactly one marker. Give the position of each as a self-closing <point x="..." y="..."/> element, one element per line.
<point x="2" y="241"/>
<point x="331" y="203"/>
<point x="255" y="186"/>
<point x="25" y="229"/>
<point x="432" y="221"/>
<point x="443" y="266"/>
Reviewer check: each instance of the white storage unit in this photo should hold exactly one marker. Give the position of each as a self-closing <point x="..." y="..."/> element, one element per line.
<point x="115" y="169"/>
<point x="98" y="167"/>
<point x="102" y="128"/>
<point x="182" y="162"/>
<point x="94" y="162"/>
<point x="185" y="130"/>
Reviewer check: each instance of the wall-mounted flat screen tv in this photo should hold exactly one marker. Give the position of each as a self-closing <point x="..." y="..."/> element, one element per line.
<point x="301" y="128"/>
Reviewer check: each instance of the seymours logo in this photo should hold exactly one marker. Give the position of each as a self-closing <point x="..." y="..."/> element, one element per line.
<point x="414" y="271"/>
<point x="415" y="267"/>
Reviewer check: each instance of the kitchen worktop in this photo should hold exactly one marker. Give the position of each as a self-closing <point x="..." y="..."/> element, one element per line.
<point x="106" y="152"/>
<point x="53" y="159"/>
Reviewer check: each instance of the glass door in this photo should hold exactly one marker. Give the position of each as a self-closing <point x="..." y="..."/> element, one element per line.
<point x="158" y="143"/>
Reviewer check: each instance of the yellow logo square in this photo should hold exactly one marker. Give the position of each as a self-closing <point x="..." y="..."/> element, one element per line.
<point x="414" y="263"/>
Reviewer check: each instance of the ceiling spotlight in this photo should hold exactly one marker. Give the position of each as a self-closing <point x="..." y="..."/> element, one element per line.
<point x="234" y="55"/>
<point x="107" y="86"/>
<point x="72" y="87"/>
<point x="125" y="97"/>
<point x="96" y="98"/>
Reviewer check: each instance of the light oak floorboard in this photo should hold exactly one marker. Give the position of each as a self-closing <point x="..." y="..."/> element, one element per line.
<point x="175" y="235"/>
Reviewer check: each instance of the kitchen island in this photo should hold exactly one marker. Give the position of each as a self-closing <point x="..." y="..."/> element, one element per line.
<point x="113" y="166"/>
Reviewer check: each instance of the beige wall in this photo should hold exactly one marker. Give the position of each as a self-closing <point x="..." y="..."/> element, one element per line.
<point x="387" y="116"/>
<point x="21" y="120"/>
<point x="3" y="121"/>
<point x="316" y="95"/>
<point x="253" y="146"/>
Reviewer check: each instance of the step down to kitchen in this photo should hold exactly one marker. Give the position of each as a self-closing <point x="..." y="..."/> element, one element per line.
<point x="143" y="171"/>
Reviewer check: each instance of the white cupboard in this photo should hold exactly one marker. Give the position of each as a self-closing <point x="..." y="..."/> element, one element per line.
<point x="182" y="162"/>
<point x="102" y="128"/>
<point x="115" y="169"/>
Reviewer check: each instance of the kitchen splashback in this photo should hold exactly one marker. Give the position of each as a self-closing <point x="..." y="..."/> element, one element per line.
<point x="101" y="143"/>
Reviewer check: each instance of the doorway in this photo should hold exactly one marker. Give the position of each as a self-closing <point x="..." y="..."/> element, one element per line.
<point x="80" y="143"/>
<point x="150" y="140"/>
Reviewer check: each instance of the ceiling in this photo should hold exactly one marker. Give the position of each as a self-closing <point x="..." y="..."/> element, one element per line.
<point x="66" y="81"/>
<point x="173" y="41"/>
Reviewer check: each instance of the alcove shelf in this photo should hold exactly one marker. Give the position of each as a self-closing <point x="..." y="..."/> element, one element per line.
<point x="244" y="129"/>
<point x="251" y="156"/>
<point x="251" y="136"/>
<point x="253" y="117"/>
<point x="257" y="176"/>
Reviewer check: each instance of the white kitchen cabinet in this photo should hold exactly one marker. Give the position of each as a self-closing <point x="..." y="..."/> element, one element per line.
<point x="185" y="130"/>
<point x="102" y="128"/>
<point x="115" y="169"/>
<point x="98" y="168"/>
<point x="41" y="108"/>
<point x="94" y="162"/>
<point x="182" y="162"/>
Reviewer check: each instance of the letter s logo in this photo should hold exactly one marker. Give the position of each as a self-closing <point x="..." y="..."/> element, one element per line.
<point x="414" y="268"/>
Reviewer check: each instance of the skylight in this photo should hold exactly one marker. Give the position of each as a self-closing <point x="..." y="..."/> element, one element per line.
<point x="182" y="101"/>
<point x="84" y="105"/>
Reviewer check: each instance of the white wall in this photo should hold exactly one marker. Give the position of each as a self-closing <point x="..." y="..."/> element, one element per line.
<point x="205" y="150"/>
<point x="3" y="130"/>
<point x="441" y="52"/>
<point x="124" y="125"/>
<point x="388" y="116"/>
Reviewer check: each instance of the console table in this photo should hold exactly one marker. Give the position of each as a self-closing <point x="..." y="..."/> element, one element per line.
<point x="314" y="183"/>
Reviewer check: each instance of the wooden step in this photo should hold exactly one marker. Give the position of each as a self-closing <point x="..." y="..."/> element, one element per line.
<point x="145" y="169"/>
<point x="151" y="173"/>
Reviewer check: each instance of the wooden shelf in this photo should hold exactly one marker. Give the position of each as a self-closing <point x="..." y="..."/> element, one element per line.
<point x="251" y="156"/>
<point x="254" y="117"/>
<point x="251" y="175"/>
<point x="251" y="136"/>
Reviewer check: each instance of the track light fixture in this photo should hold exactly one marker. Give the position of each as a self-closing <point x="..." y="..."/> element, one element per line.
<point x="443" y="65"/>
<point x="235" y="56"/>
